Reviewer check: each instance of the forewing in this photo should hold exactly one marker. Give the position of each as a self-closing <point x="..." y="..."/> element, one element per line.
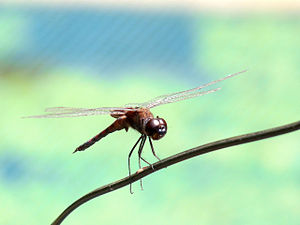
<point x="59" y="112"/>
<point x="63" y="109"/>
<point x="182" y="95"/>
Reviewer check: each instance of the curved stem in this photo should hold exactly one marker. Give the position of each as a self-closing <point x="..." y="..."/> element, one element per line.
<point x="213" y="146"/>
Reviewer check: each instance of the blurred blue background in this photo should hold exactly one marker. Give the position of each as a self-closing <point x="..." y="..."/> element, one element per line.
<point x="103" y="56"/>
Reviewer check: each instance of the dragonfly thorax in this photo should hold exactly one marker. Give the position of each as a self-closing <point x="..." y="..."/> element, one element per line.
<point x="156" y="128"/>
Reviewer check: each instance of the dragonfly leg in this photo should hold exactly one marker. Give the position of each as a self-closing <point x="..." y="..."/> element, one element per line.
<point x="146" y="161"/>
<point x="129" y="155"/>
<point x="139" y="154"/>
<point x="153" y="152"/>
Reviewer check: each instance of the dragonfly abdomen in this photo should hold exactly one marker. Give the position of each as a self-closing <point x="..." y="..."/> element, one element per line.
<point x="119" y="124"/>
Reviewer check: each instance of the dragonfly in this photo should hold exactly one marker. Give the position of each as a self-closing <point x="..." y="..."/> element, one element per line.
<point x="135" y="115"/>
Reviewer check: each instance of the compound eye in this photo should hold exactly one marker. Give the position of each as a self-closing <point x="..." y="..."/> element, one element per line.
<point x="151" y="127"/>
<point x="160" y="132"/>
<point x="162" y="129"/>
<point x="156" y="128"/>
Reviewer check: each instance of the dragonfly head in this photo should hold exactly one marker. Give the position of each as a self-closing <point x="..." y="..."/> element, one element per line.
<point x="156" y="128"/>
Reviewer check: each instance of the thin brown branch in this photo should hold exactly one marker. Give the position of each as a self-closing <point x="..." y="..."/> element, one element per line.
<point x="237" y="140"/>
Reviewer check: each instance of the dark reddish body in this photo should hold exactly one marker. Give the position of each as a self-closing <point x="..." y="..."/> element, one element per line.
<point x="140" y="119"/>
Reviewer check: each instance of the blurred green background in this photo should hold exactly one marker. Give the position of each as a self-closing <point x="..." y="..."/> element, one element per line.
<point x="93" y="57"/>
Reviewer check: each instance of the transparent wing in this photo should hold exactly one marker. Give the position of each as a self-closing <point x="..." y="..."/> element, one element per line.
<point x="170" y="99"/>
<point x="182" y="95"/>
<point x="63" y="109"/>
<point x="57" y="112"/>
<point x="193" y="95"/>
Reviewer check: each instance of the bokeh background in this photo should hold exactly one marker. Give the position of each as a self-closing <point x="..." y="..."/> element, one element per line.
<point x="93" y="55"/>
